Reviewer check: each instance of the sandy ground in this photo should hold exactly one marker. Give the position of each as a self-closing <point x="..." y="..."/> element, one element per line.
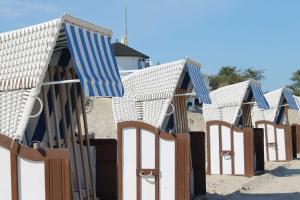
<point x="282" y="181"/>
<point x="102" y="124"/>
<point x="100" y="119"/>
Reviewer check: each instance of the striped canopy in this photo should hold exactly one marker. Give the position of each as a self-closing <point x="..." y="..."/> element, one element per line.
<point x="199" y="84"/>
<point x="288" y="95"/>
<point x="259" y="98"/>
<point x="94" y="61"/>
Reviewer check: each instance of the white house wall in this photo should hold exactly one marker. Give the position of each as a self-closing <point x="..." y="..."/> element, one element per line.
<point x="128" y="62"/>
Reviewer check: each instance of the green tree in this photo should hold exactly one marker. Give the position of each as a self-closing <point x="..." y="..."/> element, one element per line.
<point x="230" y="74"/>
<point x="251" y="73"/>
<point x="295" y="86"/>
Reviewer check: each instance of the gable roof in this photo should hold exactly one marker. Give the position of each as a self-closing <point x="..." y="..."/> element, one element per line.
<point x="274" y="99"/>
<point x="294" y="115"/>
<point x="25" y="53"/>
<point x="149" y="92"/>
<point x="297" y="99"/>
<point x="227" y="101"/>
<point x="124" y="50"/>
<point x="24" y="58"/>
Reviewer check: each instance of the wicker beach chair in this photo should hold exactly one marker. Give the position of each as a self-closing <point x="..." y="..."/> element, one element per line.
<point x="232" y="143"/>
<point x="152" y="124"/>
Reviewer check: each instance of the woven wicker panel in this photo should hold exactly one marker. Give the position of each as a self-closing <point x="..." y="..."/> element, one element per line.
<point x="154" y="82"/>
<point x="148" y="93"/>
<point x="124" y="110"/>
<point x="226" y="102"/>
<point x="25" y="54"/>
<point x="13" y="105"/>
<point x="154" y="111"/>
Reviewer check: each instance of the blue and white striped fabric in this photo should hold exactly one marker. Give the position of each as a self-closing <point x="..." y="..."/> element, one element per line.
<point x="94" y="61"/>
<point x="259" y="97"/>
<point x="288" y="95"/>
<point x="199" y="84"/>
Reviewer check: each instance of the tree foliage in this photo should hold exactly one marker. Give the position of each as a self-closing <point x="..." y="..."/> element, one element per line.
<point x="230" y="74"/>
<point x="295" y="86"/>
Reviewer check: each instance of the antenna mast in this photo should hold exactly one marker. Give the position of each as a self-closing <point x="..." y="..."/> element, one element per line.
<point x="124" y="39"/>
<point x="126" y="32"/>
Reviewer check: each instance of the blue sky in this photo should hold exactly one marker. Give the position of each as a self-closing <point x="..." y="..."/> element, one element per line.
<point x="264" y="34"/>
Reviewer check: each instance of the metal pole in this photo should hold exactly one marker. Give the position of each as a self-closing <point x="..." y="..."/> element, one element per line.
<point x="61" y="82"/>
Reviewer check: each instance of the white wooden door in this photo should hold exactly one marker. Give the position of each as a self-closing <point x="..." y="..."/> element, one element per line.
<point x="214" y="149"/>
<point x="271" y="143"/>
<point x="226" y="147"/>
<point x="148" y="163"/>
<point x="281" y="148"/>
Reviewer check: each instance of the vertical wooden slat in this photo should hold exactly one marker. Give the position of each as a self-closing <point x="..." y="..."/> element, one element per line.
<point x="183" y="166"/>
<point x="220" y="149"/>
<point x="180" y="113"/>
<point x="276" y="143"/>
<point x="120" y="163"/>
<point x="73" y="140"/>
<point x="14" y="175"/>
<point x="77" y="111"/>
<point x="288" y="143"/>
<point x="54" y="105"/>
<point x="87" y="140"/>
<point x="246" y="112"/>
<point x="267" y="142"/>
<point x="207" y="137"/>
<point x="57" y="179"/>
<point x="157" y="164"/>
<point x="48" y="189"/>
<point x="138" y="162"/>
<point x="65" y="126"/>
<point x="286" y="110"/>
<point x="66" y="180"/>
<point x="248" y="151"/>
<point x="46" y="117"/>
<point x="298" y="137"/>
<point x="232" y="150"/>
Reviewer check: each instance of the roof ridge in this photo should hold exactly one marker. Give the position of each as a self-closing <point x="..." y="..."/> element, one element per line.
<point x="30" y="28"/>
<point x="62" y="19"/>
<point x="86" y="24"/>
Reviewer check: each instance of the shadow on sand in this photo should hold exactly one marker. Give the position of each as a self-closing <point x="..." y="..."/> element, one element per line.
<point x="280" y="171"/>
<point x="245" y="196"/>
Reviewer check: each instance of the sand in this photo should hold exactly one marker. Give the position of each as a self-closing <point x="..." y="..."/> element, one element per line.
<point x="282" y="181"/>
